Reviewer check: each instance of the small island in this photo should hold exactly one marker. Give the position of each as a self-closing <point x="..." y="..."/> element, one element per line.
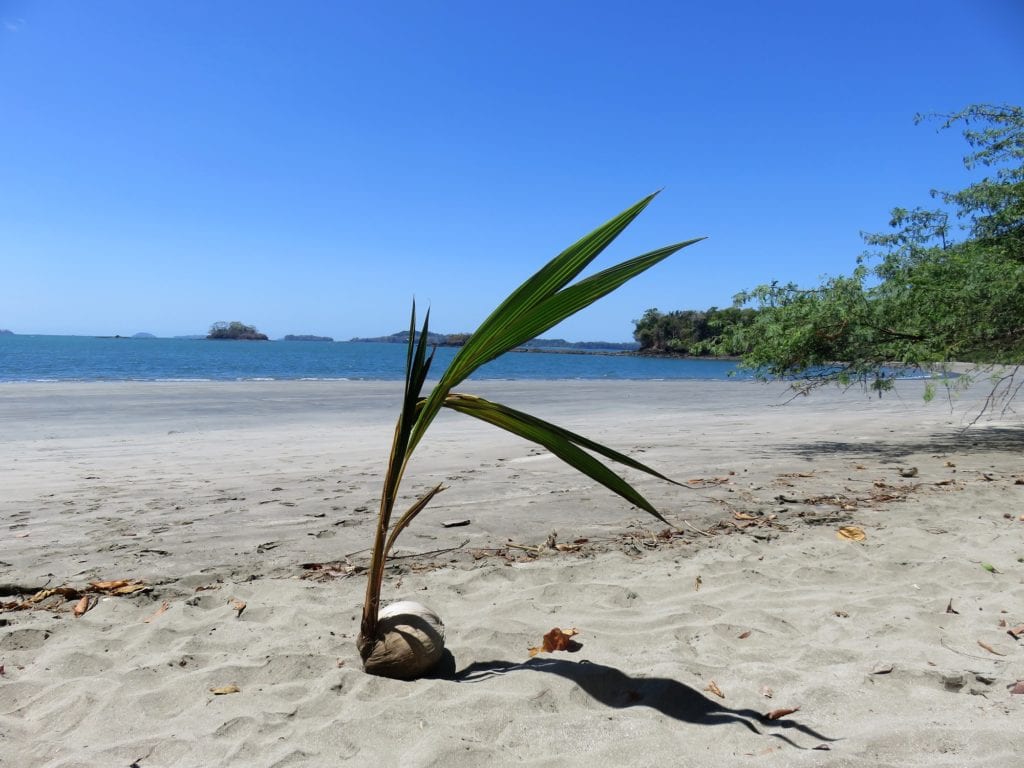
<point x="235" y="331"/>
<point x="143" y="335"/>
<point x="5" y="332"/>
<point x="306" y="337"/>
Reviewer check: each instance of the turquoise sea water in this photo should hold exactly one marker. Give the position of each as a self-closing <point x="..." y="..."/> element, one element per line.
<point x="86" y="358"/>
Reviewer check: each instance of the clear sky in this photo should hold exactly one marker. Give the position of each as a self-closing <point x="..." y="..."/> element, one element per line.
<point x="311" y="166"/>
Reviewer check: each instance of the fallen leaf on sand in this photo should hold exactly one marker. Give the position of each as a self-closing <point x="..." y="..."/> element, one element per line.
<point x="1018" y="687"/>
<point x="775" y="714"/>
<point x="712" y="687"/>
<point x="225" y="689"/>
<point x="744" y="635"/>
<point x="83" y="605"/>
<point x="696" y="583"/>
<point x="1016" y="632"/>
<point x="989" y="648"/>
<point x="851" y="533"/>
<point x="118" y="587"/>
<point x="990" y="568"/>
<point x="162" y="609"/>
<point x="950" y="608"/>
<point x="238" y="605"/>
<point x="557" y="640"/>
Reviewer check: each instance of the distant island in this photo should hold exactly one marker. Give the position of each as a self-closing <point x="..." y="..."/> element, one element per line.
<point x="143" y="335"/>
<point x="5" y="332"/>
<point x="534" y="345"/>
<point x="306" y="337"/>
<point x="235" y="331"/>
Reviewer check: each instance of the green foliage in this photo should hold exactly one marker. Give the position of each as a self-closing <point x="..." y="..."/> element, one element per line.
<point x="945" y="285"/>
<point x="540" y="303"/>
<point x="690" y="332"/>
<point x="235" y="330"/>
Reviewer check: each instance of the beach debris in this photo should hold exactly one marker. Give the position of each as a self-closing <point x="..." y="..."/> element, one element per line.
<point x="990" y="476"/>
<point x="1016" y="632"/>
<point x="884" y="668"/>
<point x="238" y="605"/>
<point x="85" y="604"/>
<point x="851" y="533"/>
<point x="745" y="635"/>
<point x="224" y="690"/>
<point x="558" y="640"/>
<point x="120" y="586"/>
<point x="950" y="464"/>
<point x="697" y="583"/>
<point x="1018" y="687"/>
<point x="54" y="598"/>
<point x="840" y="614"/>
<point x="989" y="648"/>
<point x="908" y="472"/>
<point x="990" y="568"/>
<point x="709" y="482"/>
<point x="767" y="692"/>
<point x="158" y="612"/>
<point x="455" y="523"/>
<point x="712" y="687"/>
<point x="950" y="608"/>
<point x="775" y="714"/>
<point x="335" y="569"/>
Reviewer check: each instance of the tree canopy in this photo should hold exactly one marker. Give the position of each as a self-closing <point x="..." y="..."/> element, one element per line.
<point x="690" y="331"/>
<point x="945" y="284"/>
<point x="235" y="330"/>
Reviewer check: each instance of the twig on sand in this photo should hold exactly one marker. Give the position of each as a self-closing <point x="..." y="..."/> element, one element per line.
<point x="692" y="527"/>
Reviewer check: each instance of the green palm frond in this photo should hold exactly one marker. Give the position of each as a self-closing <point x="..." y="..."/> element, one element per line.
<point x="562" y="443"/>
<point x="541" y="302"/>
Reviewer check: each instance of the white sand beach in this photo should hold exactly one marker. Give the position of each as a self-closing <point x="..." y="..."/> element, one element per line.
<point x="895" y="650"/>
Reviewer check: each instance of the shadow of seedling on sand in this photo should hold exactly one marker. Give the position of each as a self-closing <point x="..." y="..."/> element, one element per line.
<point x="615" y="689"/>
<point x="976" y="439"/>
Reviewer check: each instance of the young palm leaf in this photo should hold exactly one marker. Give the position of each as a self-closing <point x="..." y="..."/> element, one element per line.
<point x="544" y="300"/>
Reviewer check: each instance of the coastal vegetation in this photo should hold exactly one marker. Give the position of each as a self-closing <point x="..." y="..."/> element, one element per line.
<point x="692" y="332"/>
<point x="407" y="639"/>
<point x="944" y="284"/>
<point x="306" y="337"/>
<point x="235" y="331"/>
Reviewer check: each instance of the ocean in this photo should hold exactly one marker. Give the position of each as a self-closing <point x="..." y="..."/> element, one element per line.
<point x="87" y="358"/>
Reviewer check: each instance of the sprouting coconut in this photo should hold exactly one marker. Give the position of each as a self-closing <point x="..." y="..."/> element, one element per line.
<point x="405" y="640"/>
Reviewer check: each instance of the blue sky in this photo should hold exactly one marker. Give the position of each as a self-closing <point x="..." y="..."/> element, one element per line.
<point x="310" y="167"/>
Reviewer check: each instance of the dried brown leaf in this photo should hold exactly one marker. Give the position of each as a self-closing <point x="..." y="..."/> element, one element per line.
<point x="989" y="648"/>
<point x="238" y="605"/>
<point x="557" y="640"/>
<point x="851" y="533"/>
<point x="83" y="605"/>
<point x="696" y="583"/>
<point x="744" y="635"/>
<point x="775" y="714"/>
<point x="712" y="687"/>
<point x="223" y="690"/>
<point x="950" y="608"/>
<point x="1018" y="687"/>
<point x="1016" y="632"/>
<point x="161" y="610"/>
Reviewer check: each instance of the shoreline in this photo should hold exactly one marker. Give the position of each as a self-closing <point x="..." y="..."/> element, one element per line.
<point x="228" y="491"/>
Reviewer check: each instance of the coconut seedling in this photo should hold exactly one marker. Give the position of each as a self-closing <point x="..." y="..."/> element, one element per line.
<point x="406" y="639"/>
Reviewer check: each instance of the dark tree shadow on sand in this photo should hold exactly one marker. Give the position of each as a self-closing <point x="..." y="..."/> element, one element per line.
<point x="974" y="440"/>
<point x="616" y="689"/>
